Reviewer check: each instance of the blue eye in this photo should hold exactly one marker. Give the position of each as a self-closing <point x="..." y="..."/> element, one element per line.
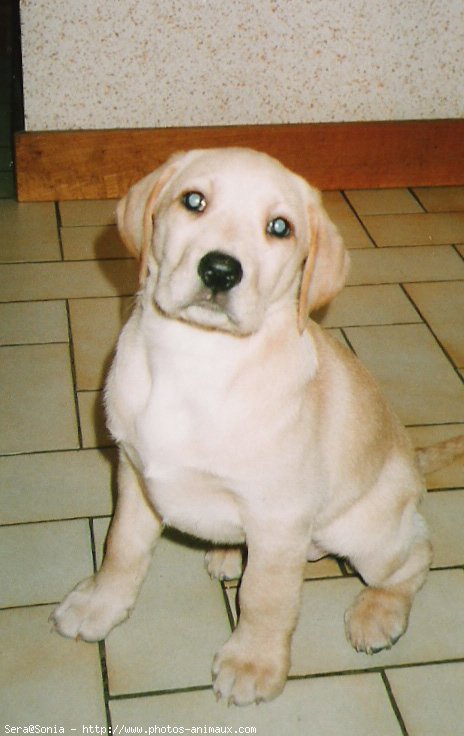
<point x="194" y="201"/>
<point x="279" y="228"/>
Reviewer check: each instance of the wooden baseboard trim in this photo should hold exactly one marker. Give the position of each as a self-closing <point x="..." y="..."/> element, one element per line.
<point x="102" y="164"/>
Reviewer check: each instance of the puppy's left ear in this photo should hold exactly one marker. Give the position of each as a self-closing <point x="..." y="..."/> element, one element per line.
<point x="326" y="266"/>
<point x="134" y="213"/>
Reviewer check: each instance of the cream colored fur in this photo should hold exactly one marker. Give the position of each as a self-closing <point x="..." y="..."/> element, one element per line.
<point x="239" y="425"/>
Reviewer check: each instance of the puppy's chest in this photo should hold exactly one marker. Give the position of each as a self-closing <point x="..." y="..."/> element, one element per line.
<point x="209" y="414"/>
<point x="192" y="417"/>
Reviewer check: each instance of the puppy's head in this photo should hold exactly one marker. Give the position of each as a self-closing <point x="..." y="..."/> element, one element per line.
<point x="225" y="236"/>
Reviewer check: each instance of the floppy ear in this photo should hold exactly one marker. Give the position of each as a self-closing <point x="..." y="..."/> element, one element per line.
<point x="326" y="266"/>
<point x="134" y="213"/>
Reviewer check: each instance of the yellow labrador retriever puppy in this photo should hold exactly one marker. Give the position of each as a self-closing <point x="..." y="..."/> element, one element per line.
<point x="239" y="421"/>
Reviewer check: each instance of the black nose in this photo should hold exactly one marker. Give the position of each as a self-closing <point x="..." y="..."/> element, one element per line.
<point x="219" y="271"/>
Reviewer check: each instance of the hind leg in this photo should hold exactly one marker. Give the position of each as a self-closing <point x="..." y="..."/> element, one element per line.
<point x="394" y="573"/>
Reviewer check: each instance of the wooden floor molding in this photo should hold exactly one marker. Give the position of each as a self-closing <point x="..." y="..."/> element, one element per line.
<point x="102" y="164"/>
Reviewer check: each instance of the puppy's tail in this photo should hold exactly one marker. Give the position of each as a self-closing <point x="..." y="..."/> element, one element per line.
<point x="438" y="456"/>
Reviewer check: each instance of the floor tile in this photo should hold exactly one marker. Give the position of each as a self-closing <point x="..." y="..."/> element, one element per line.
<point x="390" y="265"/>
<point x="28" y="232"/>
<point x="415" y="229"/>
<point x="444" y="513"/>
<point x="73" y="280"/>
<point x="54" y="498"/>
<point x="85" y="243"/>
<point x="88" y="212"/>
<point x="369" y="305"/>
<point x="441" y="199"/>
<point x="442" y="306"/>
<point x="44" y="679"/>
<point x="177" y="626"/>
<point x="413" y="372"/>
<point x="435" y="632"/>
<point x="383" y="201"/>
<point x="33" y="322"/>
<point x="328" y="567"/>
<point x="451" y="476"/>
<point x="93" y="419"/>
<point x="96" y="324"/>
<point x="37" y="404"/>
<point x="42" y="562"/>
<point x="430" y="698"/>
<point x="56" y="485"/>
<point x="320" y="705"/>
<point x="351" y="230"/>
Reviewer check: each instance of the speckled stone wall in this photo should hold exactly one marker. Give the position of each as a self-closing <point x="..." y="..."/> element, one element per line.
<point x="150" y="63"/>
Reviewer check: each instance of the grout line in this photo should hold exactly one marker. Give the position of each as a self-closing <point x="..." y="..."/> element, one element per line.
<point x="394" y="704"/>
<point x="65" y="298"/>
<point x="99" y="448"/>
<point x="229" y="611"/>
<point x="64" y="261"/>
<point x="55" y="521"/>
<point x="447" y="568"/>
<point x="85" y="225"/>
<point x="433" y="333"/>
<point x="348" y="341"/>
<point x="105" y="684"/>
<point x="455" y="248"/>
<point x="408" y="247"/>
<point x="402" y="285"/>
<point x="376" y="670"/>
<point x="435" y="424"/>
<point x="74" y="377"/>
<point x="369" y="324"/>
<point x="446" y="489"/>
<point x="155" y="693"/>
<point x="58" y="227"/>
<point x="292" y="678"/>
<point x="32" y="344"/>
<point x="92" y="544"/>
<point x="358" y="217"/>
<point x="346" y="571"/>
<point x="22" y="606"/>
<point x="416" y="197"/>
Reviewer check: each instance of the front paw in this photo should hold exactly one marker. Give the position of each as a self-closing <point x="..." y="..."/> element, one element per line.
<point x="91" y="610"/>
<point x="250" y="674"/>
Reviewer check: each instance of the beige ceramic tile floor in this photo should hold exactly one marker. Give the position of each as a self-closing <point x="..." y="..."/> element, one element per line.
<point x="65" y="290"/>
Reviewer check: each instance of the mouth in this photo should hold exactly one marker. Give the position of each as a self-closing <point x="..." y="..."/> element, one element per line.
<point x="205" y="308"/>
<point x="211" y="301"/>
<point x="211" y="310"/>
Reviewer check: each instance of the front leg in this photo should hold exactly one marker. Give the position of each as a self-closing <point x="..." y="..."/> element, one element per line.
<point x="253" y="665"/>
<point x="100" y="602"/>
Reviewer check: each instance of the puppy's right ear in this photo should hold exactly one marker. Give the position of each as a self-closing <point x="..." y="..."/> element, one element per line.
<point x="135" y="211"/>
<point x="326" y="266"/>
